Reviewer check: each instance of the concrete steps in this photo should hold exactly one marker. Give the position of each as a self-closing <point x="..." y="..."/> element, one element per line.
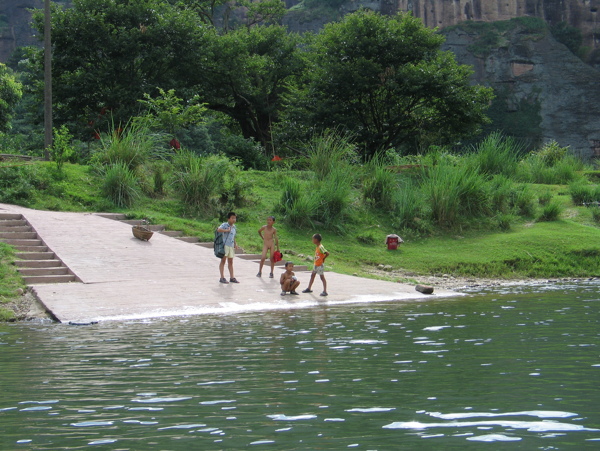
<point x="37" y="264"/>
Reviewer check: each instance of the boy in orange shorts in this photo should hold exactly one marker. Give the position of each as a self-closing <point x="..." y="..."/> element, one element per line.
<point x="319" y="268"/>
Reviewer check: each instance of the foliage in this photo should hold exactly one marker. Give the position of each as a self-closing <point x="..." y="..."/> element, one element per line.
<point x="584" y="193"/>
<point x="551" y="164"/>
<point x="10" y="94"/>
<point x="215" y="12"/>
<point x="385" y="80"/>
<point x="296" y="207"/>
<point x="496" y="154"/>
<point x="169" y="113"/>
<point x="333" y="197"/>
<point x="108" y="53"/>
<point x="120" y="185"/>
<point x="568" y="35"/>
<point x="62" y="150"/>
<point x="329" y="150"/>
<point x="10" y="281"/>
<point x="454" y="192"/>
<point x="132" y="144"/>
<point x="201" y="181"/>
<point x="379" y="183"/>
<point x="550" y="212"/>
<point x="248" y="75"/>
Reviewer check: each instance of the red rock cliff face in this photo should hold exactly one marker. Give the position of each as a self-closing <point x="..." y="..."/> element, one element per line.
<point x="582" y="14"/>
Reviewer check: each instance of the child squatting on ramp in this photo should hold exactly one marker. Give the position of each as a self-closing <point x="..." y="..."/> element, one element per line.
<point x="288" y="280"/>
<point x="319" y="268"/>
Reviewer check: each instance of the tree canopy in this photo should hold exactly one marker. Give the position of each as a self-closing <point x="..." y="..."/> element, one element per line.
<point x="385" y="80"/>
<point x="10" y="94"/>
<point x="382" y="79"/>
<point x="108" y="53"/>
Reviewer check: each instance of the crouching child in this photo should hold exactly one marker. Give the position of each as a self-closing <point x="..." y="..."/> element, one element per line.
<point x="288" y="280"/>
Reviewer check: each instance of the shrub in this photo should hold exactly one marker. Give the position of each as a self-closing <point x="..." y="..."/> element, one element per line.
<point x="199" y="180"/>
<point x="496" y="154"/>
<point x="62" y="150"/>
<point x="408" y="205"/>
<point x="545" y="197"/>
<point x="15" y="186"/>
<point x="501" y="191"/>
<point x="131" y="145"/>
<point x="582" y="193"/>
<point x="504" y="221"/>
<point x="550" y="211"/>
<point x="296" y="206"/>
<point x="328" y="150"/>
<point x="455" y="192"/>
<point x="120" y="185"/>
<point x="333" y="197"/>
<point x="524" y="201"/>
<point x="552" y="164"/>
<point x="379" y="183"/>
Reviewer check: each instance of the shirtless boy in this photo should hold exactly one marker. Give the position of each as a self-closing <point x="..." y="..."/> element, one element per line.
<point x="288" y="280"/>
<point x="268" y="233"/>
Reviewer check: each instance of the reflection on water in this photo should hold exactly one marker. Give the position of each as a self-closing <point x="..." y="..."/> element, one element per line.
<point x="518" y="365"/>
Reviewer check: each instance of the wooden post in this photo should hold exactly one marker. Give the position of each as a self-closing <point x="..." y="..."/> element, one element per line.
<point x="47" y="81"/>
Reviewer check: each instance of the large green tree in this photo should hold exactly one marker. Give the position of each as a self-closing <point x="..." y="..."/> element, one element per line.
<point x="108" y="53"/>
<point x="10" y="94"/>
<point x="249" y="74"/>
<point x="385" y="80"/>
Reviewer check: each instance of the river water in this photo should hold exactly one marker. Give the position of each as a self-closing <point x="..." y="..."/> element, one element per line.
<point x="510" y="368"/>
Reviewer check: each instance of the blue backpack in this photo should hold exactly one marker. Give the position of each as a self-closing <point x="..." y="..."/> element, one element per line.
<point x="219" y="245"/>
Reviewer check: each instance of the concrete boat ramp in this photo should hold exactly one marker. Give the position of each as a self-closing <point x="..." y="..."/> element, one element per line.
<point x="107" y="274"/>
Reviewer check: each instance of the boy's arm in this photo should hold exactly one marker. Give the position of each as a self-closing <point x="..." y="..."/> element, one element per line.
<point x="325" y="255"/>
<point x="219" y="229"/>
<point x="282" y="279"/>
<point x="260" y="232"/>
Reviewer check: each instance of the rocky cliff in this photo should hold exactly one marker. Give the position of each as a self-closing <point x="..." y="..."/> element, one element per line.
<point x="543" y="91"/>
<point x="582" y="14"/>
<point x="14" y="25"/>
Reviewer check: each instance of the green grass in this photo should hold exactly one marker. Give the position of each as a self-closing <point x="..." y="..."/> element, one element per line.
<point x="10" y="281"/>
<point x="569" y="247"/>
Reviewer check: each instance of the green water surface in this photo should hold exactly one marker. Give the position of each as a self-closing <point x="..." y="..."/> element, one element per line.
<point x="512" y="368"/>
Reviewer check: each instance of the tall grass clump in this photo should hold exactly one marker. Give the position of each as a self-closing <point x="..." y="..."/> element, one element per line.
<point x="524" y="201"/>
<point x="596" y="214"/>
<point x="198" y="181"/>
<point x="379" y="183"/>
<point x="296" y="206"/>
<point x="496" y="154"/>
<point x="408" y="206"/>
<point x="333" y="197"/>
<point x="552" y="165"/>
<point x="328" y="150"/>
<point x="133" y="145"/>
<point x="119" y="185"/>
<point x="455" y="193"/>
<point x="583" y="193"/>
<point x="550" y="212"/>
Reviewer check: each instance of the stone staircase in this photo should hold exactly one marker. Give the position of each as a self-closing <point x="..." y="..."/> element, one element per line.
<point x="35" y="262"/>
<point x="159" y="228"/>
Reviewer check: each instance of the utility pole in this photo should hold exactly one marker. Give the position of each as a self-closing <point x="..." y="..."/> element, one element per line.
<point x="47" y="81"/>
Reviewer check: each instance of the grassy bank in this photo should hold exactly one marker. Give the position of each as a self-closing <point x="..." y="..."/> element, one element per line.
<point x="489" y="212"/>
<point x="11" y="284"/>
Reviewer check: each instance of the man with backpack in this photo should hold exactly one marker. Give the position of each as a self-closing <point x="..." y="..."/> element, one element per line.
<point x="228" y="231"/>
